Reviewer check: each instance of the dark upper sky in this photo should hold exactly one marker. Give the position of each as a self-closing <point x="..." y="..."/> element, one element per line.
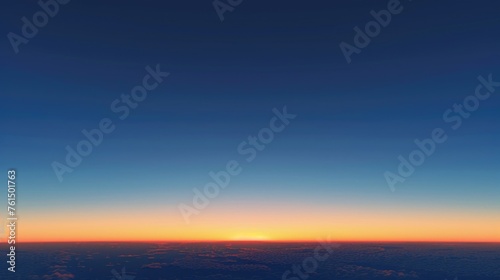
<point x="353" y="120"/>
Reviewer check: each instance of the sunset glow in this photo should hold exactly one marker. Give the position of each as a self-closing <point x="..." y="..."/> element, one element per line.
<point x="221" y="224"/>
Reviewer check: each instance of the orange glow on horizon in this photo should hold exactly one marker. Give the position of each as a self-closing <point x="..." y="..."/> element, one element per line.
<point x="263" y="225"/>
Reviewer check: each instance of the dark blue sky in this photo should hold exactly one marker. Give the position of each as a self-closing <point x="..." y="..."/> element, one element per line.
<point x="353" y="120"/>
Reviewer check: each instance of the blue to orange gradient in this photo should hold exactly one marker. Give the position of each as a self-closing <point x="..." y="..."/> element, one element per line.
<point x="278" y="222"/>
<point x="323" y="176"/>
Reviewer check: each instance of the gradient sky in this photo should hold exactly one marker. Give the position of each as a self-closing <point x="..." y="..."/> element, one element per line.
<point x="321" y="176"/>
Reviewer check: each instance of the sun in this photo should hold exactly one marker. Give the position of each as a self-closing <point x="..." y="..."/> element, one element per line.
<point x="250" y="237"/>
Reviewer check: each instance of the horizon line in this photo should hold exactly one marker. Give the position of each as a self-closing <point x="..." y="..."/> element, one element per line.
<point x="255" y="241"/>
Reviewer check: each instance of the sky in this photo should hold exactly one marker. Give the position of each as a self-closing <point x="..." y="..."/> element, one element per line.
<point x="321" y="176"/>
